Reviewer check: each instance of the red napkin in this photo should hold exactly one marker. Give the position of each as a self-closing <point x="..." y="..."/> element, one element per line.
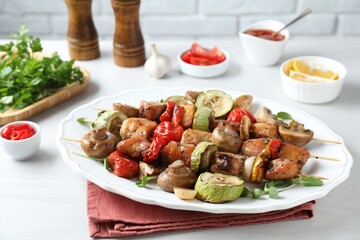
<point x="113" y="216"/>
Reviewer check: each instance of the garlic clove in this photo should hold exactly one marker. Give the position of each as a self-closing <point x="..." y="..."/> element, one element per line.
<point x="158" y="65"/>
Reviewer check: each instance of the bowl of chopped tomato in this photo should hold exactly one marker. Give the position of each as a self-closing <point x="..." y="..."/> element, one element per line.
<point x="20" y="140"/>
<point x="203" y="62"/>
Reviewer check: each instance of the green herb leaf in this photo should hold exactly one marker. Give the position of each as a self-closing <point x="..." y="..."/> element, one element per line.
<point x="273" y="192"/>
<point x="245" y="192"/>
<point x="144" y="180"/>
<point x="310" y="181"/>
<point x="28" y="79"/>
<point x="107" y="164"/>
<point x="284" y="115"/>
<point x="257" y="193"/>
<point x="6" y="99"/>
<point x="35" y="45"/>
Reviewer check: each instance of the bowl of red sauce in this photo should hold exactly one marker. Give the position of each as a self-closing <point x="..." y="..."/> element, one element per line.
<point x="262" y="44"/>
<point x="20" y="140"/>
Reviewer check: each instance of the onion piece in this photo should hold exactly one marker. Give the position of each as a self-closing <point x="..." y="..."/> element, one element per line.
<point x="248" y="165"/>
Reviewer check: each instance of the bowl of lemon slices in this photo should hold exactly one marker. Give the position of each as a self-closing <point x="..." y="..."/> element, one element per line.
<point x="312" y="79"/>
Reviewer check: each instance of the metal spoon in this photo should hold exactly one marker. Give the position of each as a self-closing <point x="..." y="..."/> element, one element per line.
<point x="303" y="14"/>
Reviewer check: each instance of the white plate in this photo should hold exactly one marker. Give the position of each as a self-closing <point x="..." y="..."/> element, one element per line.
<point x="94" y="171"/>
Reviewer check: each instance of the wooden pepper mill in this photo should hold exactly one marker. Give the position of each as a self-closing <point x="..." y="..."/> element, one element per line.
<point x="129" y="48"/>
<point x="82" y="36"/>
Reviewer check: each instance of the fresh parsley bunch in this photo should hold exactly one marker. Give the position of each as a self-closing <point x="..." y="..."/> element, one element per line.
<point x="25" y="79"/>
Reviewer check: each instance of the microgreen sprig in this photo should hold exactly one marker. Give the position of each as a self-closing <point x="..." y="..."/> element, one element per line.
<point x="273" y="188"/>
<point x="144" y="180"/>
<point x="87" y="122"/>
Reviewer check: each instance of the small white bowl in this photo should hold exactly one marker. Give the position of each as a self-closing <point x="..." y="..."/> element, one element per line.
<point x="204" y="71"/>
<point x="261" y="51"/>
<point x="308" y="92"/>
<point x="21" y="149"/>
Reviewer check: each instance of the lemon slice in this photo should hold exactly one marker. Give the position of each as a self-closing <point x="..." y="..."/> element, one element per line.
<point x="302" y="67"/>
<point x="307" y="78"/>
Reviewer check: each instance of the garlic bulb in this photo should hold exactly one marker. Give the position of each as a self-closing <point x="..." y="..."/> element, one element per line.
<point x="157" y="65"/>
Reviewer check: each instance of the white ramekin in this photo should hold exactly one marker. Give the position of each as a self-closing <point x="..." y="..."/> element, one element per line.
<point x="313" y="92"/>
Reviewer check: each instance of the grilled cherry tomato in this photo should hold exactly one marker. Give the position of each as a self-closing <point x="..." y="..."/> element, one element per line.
<point x="163" y="134"/>
<point x="237" y="113"/>
<point x="122" y="166"/>
<point x="17" y="132"/>
<point x="275" y="145"/>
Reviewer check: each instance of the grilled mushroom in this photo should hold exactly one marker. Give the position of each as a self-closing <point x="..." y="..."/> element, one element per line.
<point x="243" y="101"/>
<point x="264" y="115"/>
<point x="98" y="143"/>
<point x="295" y="133"/>
<point x="226" y="139"/>
<point x="176" y="175"/>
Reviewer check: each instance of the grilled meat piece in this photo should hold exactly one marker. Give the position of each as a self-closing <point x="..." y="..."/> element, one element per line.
<point x="194" y="137"/>
<point x="141" y="127"/>
<point x="253" y="147"/>
<point x="176" y="151"/>
<point x="264" y="130"/>
<point x="188" y="116"/>
<point x="227" y="163"/>
<point x="151" y="110"/>
<point x="282" y="168"/>
<point x="299" y="155"/>
<point x="128" y="110"/>
<point x="214" y="123"/>
<point x="133" y="147"/>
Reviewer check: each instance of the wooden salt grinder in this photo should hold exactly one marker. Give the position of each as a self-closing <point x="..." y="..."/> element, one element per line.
<point x="82" y="36"/>
<point x="128" y="40"/>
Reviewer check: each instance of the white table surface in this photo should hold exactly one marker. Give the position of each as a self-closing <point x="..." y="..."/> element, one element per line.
<point x="43" y="198"/>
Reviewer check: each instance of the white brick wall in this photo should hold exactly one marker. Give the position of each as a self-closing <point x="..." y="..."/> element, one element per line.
<point x="189" y="18"/>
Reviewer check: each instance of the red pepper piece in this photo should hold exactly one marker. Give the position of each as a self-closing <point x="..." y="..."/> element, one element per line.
<point x="275" y="145"/>
<point x="122" y="166"/>
<point x="177" y="114"/>
<point x="167" y="115"/>
<point x="163" y="134"/>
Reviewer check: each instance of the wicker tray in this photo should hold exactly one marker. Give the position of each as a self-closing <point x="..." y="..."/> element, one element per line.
<point x="59" y="96"/>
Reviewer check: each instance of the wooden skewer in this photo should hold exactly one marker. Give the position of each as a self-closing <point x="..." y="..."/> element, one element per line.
<point x="71" y="139"/>
<point x="318" y="177"/>
<point x="101" y="109"/>
<point x="325" y="140"/>
<point x="314" y="139"/>
<point x="325" y="158"/>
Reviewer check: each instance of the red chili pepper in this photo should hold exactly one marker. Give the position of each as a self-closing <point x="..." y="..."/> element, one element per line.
<point x="17" y="132"/>
<point x="275" y="145"/>
<point x="167" y="115"/>
<point x="163" y="134"/>
<point x="122" y="166"/>
<point x="237" y="114"/>
<point x="177" y="114"/>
